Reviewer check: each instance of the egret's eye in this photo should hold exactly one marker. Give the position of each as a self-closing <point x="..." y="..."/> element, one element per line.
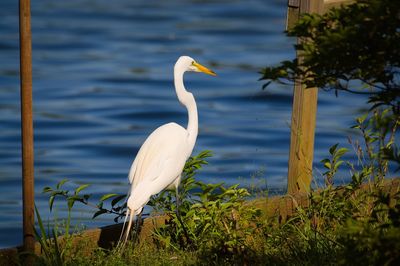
<point x="193" y="63"/>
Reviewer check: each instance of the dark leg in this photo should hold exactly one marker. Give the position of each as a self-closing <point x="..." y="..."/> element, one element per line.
<point x="177" y="200"/>
<point x="138" y="226"/>
<point x="178" y="215"/>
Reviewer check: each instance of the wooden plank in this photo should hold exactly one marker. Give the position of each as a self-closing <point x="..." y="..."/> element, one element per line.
<point x="303" y="117"/>
<point x="26" y="124"/>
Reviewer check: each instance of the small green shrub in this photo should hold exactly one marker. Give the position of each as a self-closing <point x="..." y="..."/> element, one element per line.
<point x="211" y="218"/>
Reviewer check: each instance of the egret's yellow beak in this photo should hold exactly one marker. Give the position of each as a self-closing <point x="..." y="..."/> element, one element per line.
<point x="204" y="69"/>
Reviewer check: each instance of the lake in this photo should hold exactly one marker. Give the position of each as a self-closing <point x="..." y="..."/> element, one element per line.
<point x="102" y="81"/>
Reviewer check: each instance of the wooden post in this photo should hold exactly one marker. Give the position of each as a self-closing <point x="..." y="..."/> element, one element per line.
<point x="26" y="125"/>
<point x="335" y="3"/>
<point x="303" y="114"/>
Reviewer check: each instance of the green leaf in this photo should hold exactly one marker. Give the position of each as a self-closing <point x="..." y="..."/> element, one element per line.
<point x="341" y="152"/>
<point x="62" y="182"/>
<point x="47" y="189"/>
<point x="338" y="164"/>
<point x="107" y="196"/>
<point x="51" y="202"/>
<point x="82" y="187"/>
<point x="87" y="196"/>
<point x="328" y="165"/>
<point x="42" y="236"/>
<point x="40" y="222"/>
<point x="117" y="199"/>
<point x="333" y="148"/>
<point x="99" y="212"/>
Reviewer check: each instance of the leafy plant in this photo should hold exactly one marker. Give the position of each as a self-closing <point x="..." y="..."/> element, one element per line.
<point x="333" y="165"/>
<point x="71" y="199"/>
<point x="355" y="219"/>
<point x="211" y="218"/>
<point x="52" y="251"/>
<point x="56" y="241"/>
<point x="117" y="208"/>
<point x="378" y="130"/>
<point x="356" y="42"/>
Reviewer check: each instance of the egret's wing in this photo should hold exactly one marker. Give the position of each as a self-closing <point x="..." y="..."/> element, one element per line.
<point x="154" y="183"/>
<point x="132" y="171"/>
<point x="164" y="149"/>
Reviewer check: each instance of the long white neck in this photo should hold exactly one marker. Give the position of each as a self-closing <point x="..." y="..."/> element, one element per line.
<point x="187" y="99"/>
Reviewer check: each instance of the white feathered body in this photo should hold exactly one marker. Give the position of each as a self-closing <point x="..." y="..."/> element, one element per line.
<point x="158" y="164"/>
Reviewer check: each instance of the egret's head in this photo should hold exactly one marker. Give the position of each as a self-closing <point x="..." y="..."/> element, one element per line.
<point x="186" y="63"/>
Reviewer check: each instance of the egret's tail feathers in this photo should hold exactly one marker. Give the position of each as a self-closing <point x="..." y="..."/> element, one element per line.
<point x="123" y="226"/>
<point x="128" y="229"/>
<point x="123" y="238"/>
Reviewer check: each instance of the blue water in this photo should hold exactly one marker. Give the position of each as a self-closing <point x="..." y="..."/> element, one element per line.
<point x="102" y="81"/>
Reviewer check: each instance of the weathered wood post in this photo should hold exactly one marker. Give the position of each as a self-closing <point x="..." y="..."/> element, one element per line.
<point x="304" y="106"/>
<point x="26" y="125"/>
<point x="303" y="114"/>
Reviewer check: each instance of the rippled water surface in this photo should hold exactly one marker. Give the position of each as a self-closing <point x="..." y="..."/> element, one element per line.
<point x="102" y="81"/>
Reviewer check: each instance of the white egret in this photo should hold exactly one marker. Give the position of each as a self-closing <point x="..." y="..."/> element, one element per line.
<point x="160" y="161"/>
